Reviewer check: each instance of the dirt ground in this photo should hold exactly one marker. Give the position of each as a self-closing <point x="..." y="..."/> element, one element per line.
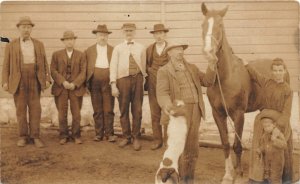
<point x="93" y="162"/>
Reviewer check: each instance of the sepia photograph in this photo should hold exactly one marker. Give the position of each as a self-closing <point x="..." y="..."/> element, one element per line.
<point x="150" y="92"/>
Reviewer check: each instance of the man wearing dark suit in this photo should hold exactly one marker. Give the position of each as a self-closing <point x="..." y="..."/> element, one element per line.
<point x="98" y="58"/>
<point x="68" y="70"/>
<point x="156" y="58"/>
<point x="25" y="73"/>
<point x="180" y="80"/>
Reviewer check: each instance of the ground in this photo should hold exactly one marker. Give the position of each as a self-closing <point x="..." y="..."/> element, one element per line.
<point x="93" y="162"/>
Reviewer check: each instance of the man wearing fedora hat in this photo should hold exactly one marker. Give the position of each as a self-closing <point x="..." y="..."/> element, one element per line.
<point x="68" y="70"/>
<point x="98" y="58"/>
<point x="180" y="80"/>
<point x="25" y="73"/>
<point x="127" y="72"/>
<point x="156" y="58"/>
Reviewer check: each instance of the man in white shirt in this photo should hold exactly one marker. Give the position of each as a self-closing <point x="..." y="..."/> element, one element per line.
<point x="156" y="58"/>
<point x="127" y="72"/>
<point x="98" y="57"/>
<point x="68" y="70"/>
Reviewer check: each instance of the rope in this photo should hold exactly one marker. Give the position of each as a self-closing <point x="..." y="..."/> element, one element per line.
<point x="222" y="96"/>
<point x="226" y="109"/>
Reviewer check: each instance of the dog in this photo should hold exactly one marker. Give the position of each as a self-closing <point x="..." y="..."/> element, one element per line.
<point x="167" y="172"/>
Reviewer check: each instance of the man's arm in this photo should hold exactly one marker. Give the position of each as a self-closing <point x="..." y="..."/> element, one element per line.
<point x="6" y="65"/>
<point x="163" y="90"/>
<point x="46" y="70"/>
<point x="143" y="61"/>
<point x="148" y="64"/>
<point x="80" y="79"/>
<point x="284" y="119"/>
<point x="208" y="79"/>
<point x="113" y="67"/>
<point x="57" y="77"/>
<point x="256" y="76"/>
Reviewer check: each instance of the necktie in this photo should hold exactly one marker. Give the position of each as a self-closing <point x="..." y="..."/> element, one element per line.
<point x="129" y="43"/>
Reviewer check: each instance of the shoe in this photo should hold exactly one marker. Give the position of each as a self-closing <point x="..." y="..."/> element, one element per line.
<point x="21" y="142"/>
<point x="136" y="145"/>
<point x="98" y="138"/>
<point x="63" y="141"/>
<point x="38" y="143"/>
<point x="78" y="141"/>
<point x="124" y="143"/>
<point x="156" y="145"/>
<point x="112" y="138"/>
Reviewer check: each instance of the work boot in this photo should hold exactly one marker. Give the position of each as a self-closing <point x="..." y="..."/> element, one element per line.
<point x="78" y="141"/>
<point x="21" y="142"/>
<point x="63" y="141"/>
<point x="38" y="143"/>
<point x="156" y="145"/>
<point x="98" y="138"/>
<point x="136" y="145"/>
<point x="112" y="138"/>
<point x="124" y="143"/>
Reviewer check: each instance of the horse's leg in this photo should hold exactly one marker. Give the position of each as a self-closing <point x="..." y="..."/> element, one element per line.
<point x="220" y="120"/>
<point x="238" y="119"/>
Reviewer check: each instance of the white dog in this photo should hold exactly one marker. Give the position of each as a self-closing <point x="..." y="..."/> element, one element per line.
<point x="177" y="132"/>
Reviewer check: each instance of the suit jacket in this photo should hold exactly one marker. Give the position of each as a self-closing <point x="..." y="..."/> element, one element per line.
<point x="78" y="71"/>
<point x="149" y="55"/>
<point x="168" y="89"/>
<point x="149" y="61"/>
<point x="13" y="60"/>
<point x="91" y="57"/>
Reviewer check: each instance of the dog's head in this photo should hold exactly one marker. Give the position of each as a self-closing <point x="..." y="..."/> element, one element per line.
<point x="168" y="175"/>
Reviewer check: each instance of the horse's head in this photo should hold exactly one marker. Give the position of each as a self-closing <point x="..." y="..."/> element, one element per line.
<point x="212" y="31"/>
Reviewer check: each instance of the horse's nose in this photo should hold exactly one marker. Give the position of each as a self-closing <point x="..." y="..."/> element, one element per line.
<point x="207" y="50"/>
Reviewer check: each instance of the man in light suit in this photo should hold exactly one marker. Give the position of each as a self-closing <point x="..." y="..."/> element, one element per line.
<point x="180" y="80"/>
<point x="98" y="58"/>
<point x="68" y="70"/>
<point x="25" y="73"/>
<point x="127" y="72"/>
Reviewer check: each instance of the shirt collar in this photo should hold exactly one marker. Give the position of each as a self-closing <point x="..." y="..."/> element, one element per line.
<point x="101" y="47"/>
<point x="27" y="40"/>
<point x="69" y="53"/>
<point x="161" y="46"/>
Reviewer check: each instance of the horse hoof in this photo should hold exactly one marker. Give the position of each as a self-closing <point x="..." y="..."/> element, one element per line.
<point x="227" y="179"/>
<point x="239" y="172"/>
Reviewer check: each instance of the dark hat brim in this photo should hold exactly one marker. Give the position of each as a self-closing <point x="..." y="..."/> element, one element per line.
<point x="32" y="24"/>
<point x="100" y="31"/>
<point x="164" y="30"/>
<point x="74" y="37"/>
<point x="184" y="46"/>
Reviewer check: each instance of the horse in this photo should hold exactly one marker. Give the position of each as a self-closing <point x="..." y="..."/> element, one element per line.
<point x="233" y="93"/>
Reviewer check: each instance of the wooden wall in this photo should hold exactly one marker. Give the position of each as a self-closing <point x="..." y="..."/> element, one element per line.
<point x="254" y="29"/>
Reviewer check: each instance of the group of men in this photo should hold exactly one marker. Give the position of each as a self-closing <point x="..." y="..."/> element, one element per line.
<point x="124" y="72"/>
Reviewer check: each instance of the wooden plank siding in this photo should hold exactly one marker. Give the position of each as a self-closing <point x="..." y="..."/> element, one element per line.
<point x="254" y="29"/>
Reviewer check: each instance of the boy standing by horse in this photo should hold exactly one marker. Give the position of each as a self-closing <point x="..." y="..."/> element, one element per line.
<point x="271" y="152"/>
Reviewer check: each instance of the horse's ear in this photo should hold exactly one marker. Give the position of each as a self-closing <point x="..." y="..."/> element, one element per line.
<point x="204" y="9"/>
<point x="223" y="12"/>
